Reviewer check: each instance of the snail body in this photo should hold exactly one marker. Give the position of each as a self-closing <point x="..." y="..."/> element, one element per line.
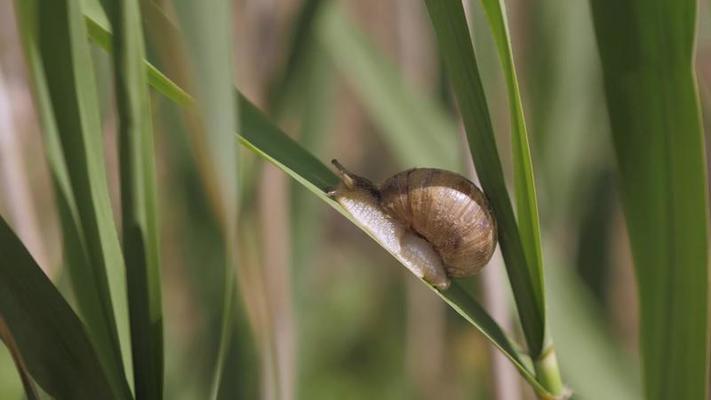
<point x="435" y="222"/>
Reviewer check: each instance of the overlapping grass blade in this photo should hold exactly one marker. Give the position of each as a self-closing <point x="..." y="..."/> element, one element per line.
<point x="526" y="203"/>
<point x="258" y="134"/>
<point x="211" y="115"/>
<point x="98" y="27"/>
<point x="138" y="199"/>
<point x="208" y="37"/>
<point x="54" y="38"/>
<point x="49" y="336"/>
<point x="456" y="48"/>
<point x="416" y="130"/>
<point x="647" y="53"/>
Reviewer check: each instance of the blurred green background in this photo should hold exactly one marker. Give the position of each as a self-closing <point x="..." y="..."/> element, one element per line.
<point x="324" y="312"/>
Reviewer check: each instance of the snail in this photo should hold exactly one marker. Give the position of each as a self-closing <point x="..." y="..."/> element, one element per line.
<point x="436" y="222"/>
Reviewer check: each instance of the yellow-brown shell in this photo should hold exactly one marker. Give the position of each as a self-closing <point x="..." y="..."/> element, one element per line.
<point x="446" y="209"/>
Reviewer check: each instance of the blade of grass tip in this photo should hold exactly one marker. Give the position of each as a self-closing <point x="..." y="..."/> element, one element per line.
<point x="49" y="336"/>
<point x="138" y="199"/>
<point x="453" y="39"/>
<point x="261" y="136"/>
<point x="27" y="383"/>
<point x="526" y="203"/>
<point x="417" y="132"/>
<point x="65" y="95"/>
<point x="208" y="35"/>
<point x="647" y="54"/>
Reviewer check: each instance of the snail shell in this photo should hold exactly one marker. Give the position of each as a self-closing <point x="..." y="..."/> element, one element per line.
<point x="436" y="222"/>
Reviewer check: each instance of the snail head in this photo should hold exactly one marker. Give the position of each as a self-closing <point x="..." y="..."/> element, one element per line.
<point x="351" y="181"/>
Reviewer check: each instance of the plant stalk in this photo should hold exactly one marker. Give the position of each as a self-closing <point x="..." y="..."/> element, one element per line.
<point x="548" y="374"/>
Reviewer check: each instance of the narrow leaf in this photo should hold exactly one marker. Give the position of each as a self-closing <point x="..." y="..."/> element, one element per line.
<point x="456" y="48"/>
<point x="526" y="203"/>
<point x="138" y="199"/>
<point x="98" y="26"/>
<point x="647" y="53"/>
<point x="54" y="38"/>
<point x="208" y="36"/>
<point x="48" y="334"/>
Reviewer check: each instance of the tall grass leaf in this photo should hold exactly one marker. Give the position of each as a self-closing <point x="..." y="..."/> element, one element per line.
<point x="210" y="115"/>
<point x="526" y="203"/>
<point x="261" y="136"/>
<point x="416" y="130"/>
<point x="456" y="48"/>
<point x="54" y="38"/>
<point x="647" y="53"/>
<point x="51" y="339"/>
<point x="208" y="36"/>
<point x="138" y="199"/>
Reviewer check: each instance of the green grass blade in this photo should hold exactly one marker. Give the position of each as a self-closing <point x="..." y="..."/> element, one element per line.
<point x="526" y="203"/>
<point x="48" y="334"/>
<point x="54" y="38"/>
<point x="416" y="130"/>
<point x="99" y="30"/>
<point x="453" y="38"/>
<point x="647" y="53"/>
<point x="208" y="35"/>
<point x="138" y="200"/>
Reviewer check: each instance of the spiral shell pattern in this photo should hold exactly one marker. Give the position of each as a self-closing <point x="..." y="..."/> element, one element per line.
<point x="448" y="211"/>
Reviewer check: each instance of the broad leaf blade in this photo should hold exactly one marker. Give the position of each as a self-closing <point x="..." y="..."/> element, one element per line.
<point x="456" y="48"/>
<point x="138" y="199"/>
<point x="48" y="334"/>
<point x="646" y="50"/>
